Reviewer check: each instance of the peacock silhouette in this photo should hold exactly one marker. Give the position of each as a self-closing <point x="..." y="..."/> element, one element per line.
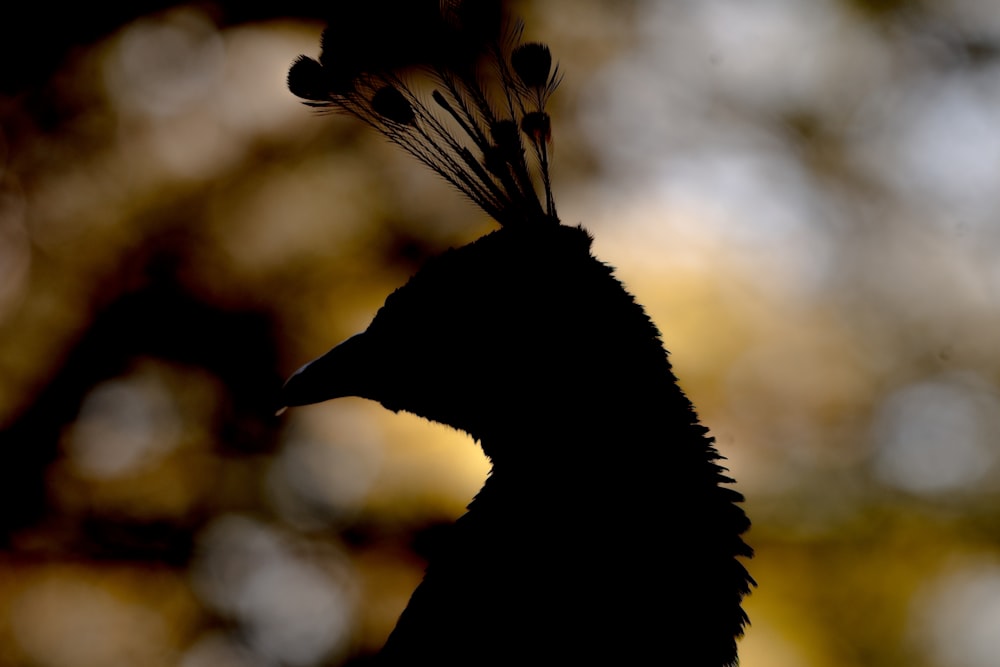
<point x="606" y="531"/>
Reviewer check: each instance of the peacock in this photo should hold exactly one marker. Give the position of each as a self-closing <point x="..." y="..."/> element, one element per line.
<point x="607" y="531"/>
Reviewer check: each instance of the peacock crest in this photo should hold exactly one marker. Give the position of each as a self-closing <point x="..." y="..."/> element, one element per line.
<point x="454" y="86"/>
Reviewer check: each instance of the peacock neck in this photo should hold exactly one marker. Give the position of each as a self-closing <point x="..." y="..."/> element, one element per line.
<point x="604" y="417"/>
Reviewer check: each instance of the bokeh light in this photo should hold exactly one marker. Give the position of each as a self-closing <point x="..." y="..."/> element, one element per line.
<point x="956" y="614"/>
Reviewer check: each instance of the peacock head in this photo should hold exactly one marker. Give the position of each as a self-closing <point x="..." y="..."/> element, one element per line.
<point x="459" y="91"/>
<point x="486" y="338"/>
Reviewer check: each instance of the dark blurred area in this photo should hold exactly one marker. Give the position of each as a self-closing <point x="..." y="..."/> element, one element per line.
<point x="803" y="195"/>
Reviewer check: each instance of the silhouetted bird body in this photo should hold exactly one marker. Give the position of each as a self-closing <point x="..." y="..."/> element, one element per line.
<point x="604" y="532"/>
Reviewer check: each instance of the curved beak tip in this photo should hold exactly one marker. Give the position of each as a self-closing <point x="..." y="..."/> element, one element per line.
<point x="333" y="375"/>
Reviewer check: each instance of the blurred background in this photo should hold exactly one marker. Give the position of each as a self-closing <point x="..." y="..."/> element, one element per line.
<point x="802" y="194"/>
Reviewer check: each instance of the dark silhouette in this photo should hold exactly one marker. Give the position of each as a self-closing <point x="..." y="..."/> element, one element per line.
<point x="605" y="532"/>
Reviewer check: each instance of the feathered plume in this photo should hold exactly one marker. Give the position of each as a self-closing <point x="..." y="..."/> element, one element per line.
<point x="488" y="93"/>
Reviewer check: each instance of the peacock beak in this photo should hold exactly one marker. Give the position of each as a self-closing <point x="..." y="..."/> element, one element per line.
<point x="345" y="370"/>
